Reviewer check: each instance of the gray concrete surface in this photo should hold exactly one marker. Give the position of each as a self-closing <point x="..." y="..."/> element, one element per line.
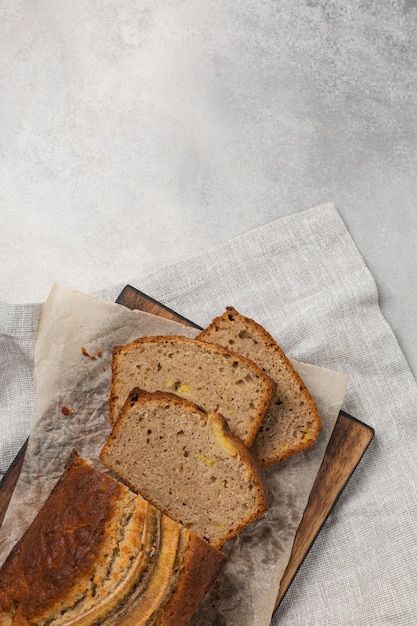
<point x="134" y="134"/>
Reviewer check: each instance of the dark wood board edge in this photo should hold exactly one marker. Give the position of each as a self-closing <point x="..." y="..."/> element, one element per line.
<point x="350" y="437"/>
<point x="350" y="440"/>
<point x="134" y="299"/>
<point x="9" y="480"/>
<point x="348" y="443"/>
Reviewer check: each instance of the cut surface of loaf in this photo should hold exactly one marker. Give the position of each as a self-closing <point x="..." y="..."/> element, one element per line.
<point x="187" y="463"/>
<point x="292" y="422"/>
<point x="211" y="376"/>
<point x="98" y="553"/>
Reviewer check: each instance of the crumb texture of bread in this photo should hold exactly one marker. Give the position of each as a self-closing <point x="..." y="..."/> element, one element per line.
<point x="292" y="422"/>
<point x="209" y="375"/>
<point x="99" y="553"/>
<point x="187" y="463"/>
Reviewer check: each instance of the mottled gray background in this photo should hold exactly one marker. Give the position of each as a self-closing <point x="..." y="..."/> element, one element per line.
<point x="136" y="133"/>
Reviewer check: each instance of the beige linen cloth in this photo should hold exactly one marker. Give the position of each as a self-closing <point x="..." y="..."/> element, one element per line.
<point x="303" y="278"/>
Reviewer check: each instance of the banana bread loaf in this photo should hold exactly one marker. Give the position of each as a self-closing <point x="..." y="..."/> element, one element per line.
<point x="187" y="463"/>
<point x="99" y="554"/>
<point x="291" y="423"/>
<point x="211" y="376"/>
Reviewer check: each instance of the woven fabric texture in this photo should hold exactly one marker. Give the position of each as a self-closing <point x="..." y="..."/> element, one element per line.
<point x="302" y="278"/>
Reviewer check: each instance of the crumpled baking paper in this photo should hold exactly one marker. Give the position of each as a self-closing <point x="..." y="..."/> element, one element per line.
<point x="76" y="336"/>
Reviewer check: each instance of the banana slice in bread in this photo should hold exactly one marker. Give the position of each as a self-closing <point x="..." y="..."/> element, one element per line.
<point x="211" y="376"/>
<point x="291" y="423"/>
<point x="187" y="463"/>
<point x="97" y="553"/>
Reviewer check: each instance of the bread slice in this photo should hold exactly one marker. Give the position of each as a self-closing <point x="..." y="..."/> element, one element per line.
<point x="211" y="376"/>
<point x="98" y="553"/>
<point x="187" y="463"/>
<point x="292" y="422"/>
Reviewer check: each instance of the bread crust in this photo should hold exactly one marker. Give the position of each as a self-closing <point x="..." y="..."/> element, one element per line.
<point x="255" y="474"/>
<point x="262" y="449"/>
<point x="25" y="574"/>
<point x="268" y="385"/>
<point x="180" y="605"/>
<point x="98" y="553"/>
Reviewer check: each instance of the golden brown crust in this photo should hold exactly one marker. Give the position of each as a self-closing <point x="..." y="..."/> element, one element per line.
<point x="41" y="569"/>
<point x="183" y="574"/>
<point x="113" y="412"/>
<point x="266" y="454"/>
<point x="199" y="565"/>
<point x="202" y="566"/>
<point x="140" y="395"/>
<point x="97" y="553"/>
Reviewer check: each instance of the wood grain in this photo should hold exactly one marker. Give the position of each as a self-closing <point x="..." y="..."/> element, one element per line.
<point x="134" y="299"/>
<point x="348" y="443"/>
<point x="9" y="481"/>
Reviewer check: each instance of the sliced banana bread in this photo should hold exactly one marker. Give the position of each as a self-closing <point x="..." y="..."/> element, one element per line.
<point x="292" y="422"/>
<point x="209" y="375"/>
<point x="187" y="463"/>
<point x="99" y="554"/>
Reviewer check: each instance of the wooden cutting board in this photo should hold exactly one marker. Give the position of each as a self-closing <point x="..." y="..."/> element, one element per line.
<point x="348" y="443"/>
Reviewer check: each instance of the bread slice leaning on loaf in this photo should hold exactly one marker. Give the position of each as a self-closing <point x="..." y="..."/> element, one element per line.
<point x="99" y="554"/>
<point x="211" y="376"/>
<point x="292" y="422"/>
<point x="187" y="463"/>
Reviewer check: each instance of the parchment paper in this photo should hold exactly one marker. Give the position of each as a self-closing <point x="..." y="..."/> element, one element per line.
<point x="76" y="336"/>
